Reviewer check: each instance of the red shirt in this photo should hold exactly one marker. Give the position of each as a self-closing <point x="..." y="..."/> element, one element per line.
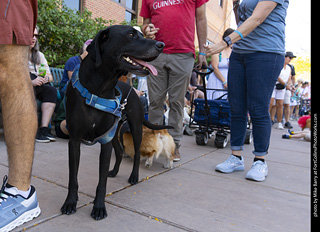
<point x="176" y="20"/>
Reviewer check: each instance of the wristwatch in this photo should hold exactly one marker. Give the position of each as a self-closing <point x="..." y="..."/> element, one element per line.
<point x="227" y="40"/>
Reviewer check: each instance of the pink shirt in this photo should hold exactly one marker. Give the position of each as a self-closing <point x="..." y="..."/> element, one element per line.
<point x="176" y="20"/>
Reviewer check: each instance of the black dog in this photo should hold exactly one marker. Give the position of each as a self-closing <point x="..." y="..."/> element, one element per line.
<point x="113" y="52"/>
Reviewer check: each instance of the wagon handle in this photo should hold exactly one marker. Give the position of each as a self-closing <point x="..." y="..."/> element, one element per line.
<point x="204" y="73"/>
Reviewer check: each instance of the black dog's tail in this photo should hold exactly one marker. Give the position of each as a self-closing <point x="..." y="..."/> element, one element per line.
<point x="154" y="126"/>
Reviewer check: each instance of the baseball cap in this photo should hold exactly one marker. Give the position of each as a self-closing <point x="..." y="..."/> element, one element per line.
<point x="290" y="54"/>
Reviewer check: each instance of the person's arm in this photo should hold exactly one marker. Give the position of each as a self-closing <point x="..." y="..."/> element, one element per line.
<point x="260" y="13"/>
<point x="293" y="74"/>
<point x="201" y="23"/>
<point x="289" y="83"/>
<point x="70" y="74"/>
<point x="217" y="73"/>
<point x="48" y="77"/>
<point x="282" y="82"/>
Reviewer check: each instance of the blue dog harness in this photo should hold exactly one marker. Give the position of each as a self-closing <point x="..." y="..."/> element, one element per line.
<point x="111" y="106"/>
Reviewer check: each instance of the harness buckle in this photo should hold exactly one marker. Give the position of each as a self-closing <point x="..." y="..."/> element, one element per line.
<point x="93" y="100"/>
<point x="123" y="105"/>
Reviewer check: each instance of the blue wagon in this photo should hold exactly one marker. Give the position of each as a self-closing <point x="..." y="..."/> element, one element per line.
<point x="212" y="117"/>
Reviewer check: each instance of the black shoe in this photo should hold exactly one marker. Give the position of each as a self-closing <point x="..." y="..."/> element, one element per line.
<point x="41" y="138"/>
<point x="288" y="125"/>
<point x="47" y="133"/>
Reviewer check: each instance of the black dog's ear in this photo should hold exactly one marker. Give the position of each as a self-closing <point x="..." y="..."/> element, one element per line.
<point x="94" y="47"/>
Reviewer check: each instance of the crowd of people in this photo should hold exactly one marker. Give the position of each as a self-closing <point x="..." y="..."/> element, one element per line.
<point x="248" y="62"/>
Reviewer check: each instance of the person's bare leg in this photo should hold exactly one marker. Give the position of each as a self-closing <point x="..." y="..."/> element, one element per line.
<point x="286" y="108"/>
<point x="279" y="107"/>
<point x="272" y="109"/>
<point x="19" y="113"/>
<point x="236" y="153"/>
<point x="47" y="109"/>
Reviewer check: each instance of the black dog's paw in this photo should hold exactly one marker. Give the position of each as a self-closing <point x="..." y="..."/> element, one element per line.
<point x="99" y="213"/>
<point x="70" y="205"/>
<point x="69" y="208"/>
<point x="133" y="179"/>
<point x="112" y="173"/>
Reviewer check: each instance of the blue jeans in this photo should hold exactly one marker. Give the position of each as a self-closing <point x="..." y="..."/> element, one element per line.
<point x="251" y="79"/>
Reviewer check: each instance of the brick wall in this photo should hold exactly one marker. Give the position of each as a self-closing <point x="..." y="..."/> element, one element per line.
<point x="106" y="9"/>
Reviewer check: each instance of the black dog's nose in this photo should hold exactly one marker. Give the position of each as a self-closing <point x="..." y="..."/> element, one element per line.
<point x="160" y="45"/>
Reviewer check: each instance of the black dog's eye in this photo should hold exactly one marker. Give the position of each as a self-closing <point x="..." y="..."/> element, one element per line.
<point x="131" y="35"/>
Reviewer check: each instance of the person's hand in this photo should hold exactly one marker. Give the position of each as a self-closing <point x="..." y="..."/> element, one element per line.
<point x="191" y="89"/>
<point x="150" y="31"/>
<point x="46" y="79"/>
<point x="225" y="85"/>
<point x="202" y="61"/>
<point x="215" y="48"/>
<point x="39" y="81"/>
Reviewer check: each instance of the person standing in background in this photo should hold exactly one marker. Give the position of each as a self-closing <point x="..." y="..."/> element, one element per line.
<point x="220" y="64"/>
<point x="281" y="94"/>
<point x="174" y="24"/>
<point x="255" y="64"/>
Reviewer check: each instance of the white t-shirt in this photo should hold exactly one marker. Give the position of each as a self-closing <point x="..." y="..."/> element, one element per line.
<point x="42" y="61"/>
<point x="285" y="74"/>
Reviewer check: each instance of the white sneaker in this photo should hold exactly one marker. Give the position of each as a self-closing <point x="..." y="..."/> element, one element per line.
<point x="15" y="209"/>
<point x="279" y="126"/>
<point x="230" y="165"/>
<point x="258" y="171"/>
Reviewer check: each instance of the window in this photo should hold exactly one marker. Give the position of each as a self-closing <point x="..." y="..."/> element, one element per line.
<point x="221" y="3"/>
<point x="131" y="7"/>
<point x="73" y="4"/>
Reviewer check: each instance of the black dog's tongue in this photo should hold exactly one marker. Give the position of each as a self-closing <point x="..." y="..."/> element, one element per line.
<point x="151" y="68"/>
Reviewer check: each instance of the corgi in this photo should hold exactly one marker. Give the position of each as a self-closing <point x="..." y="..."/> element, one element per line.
<point x="154" y="143"/>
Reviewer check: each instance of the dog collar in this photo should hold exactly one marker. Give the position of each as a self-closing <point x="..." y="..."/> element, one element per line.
<point x="111" y="106"/>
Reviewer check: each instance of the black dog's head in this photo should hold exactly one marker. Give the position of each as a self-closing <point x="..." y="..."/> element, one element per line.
<point x="125" y="49"/>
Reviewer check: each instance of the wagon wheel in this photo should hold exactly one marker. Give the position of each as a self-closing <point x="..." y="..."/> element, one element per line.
<point x="221" y="140"/>
<point x="249" y="137"/>
<point x="202" y="138"/>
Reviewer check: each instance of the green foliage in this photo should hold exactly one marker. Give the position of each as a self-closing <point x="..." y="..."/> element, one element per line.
<point x="63" y="31"/>
<point x="302" y="66"/>
<point x="132" y="23"/>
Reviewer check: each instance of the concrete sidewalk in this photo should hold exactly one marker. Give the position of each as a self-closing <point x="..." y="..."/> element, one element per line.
<point x="190" y="197"/>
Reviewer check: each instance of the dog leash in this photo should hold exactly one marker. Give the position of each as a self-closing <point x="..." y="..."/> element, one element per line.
<point x="125" y="101"/>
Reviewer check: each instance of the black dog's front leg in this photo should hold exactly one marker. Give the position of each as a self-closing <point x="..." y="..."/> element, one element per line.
<point x="99" y="208"/>
<point x="70" y="205"/>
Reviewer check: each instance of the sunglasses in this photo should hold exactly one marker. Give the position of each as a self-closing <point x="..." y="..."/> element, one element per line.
<point x="36" y="35"/>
